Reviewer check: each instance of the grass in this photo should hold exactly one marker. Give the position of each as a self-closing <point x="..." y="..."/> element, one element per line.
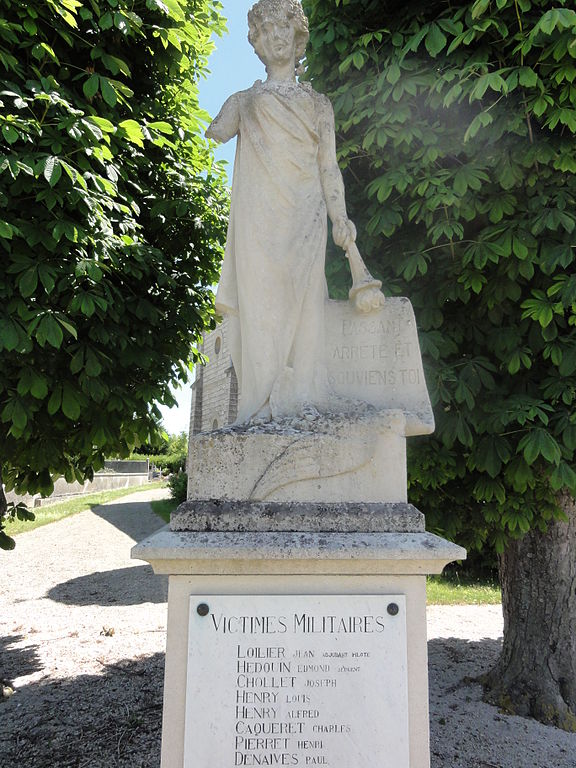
<point x="163" y="508"/>
<point x="51" y="513"/>
<point x="452" y="590"/>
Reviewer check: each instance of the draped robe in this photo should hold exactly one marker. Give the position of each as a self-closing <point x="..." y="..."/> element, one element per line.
<point x="273" y="285"/>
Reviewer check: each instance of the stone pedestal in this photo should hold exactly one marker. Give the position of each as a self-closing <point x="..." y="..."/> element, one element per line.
<point x="373" y="549"/>
<point x="310" y="510"/>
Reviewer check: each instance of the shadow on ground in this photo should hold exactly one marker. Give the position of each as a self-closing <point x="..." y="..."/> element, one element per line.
<point x="454" y="665"/>
<point x="134" y="518"/>
<point x="123" y="586"/>
<point x="17" y="662"/>
<point x="113" y="720"/>
<point x="465" y="732"/>
<point x="107" y="721"/>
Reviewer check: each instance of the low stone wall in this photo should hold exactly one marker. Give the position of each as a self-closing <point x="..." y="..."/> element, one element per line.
<point x="103" y="481"/>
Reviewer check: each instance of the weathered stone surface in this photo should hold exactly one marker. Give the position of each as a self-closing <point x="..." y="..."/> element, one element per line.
<point x="188" y="552"/>
<point x="219" y="515"/>
<point x="357" y="458"/>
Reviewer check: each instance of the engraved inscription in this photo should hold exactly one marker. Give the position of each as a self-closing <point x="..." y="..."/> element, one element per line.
<point x="399" y="350"/>
<point x="301" y="685"/>
<point x="376" y="378"/>
<point x="388" y="326"/>
<point x="376" y="359"/>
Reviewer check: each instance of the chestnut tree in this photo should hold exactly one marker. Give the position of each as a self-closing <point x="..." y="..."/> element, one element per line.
<point x="111" y="219"/>
<point x="457" y="136"/>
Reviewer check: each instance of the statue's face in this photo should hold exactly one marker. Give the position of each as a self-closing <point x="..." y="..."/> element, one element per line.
<point x="276" y="40"/>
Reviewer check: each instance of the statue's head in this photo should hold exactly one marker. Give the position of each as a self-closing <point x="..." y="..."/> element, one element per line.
<point x="284" y="10"/>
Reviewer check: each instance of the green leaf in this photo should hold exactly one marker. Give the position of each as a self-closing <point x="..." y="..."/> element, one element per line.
<point x="25" y="382"/>
<point x="7" y="543"/>
<point x="90" y="86"/>
<point x="491" y="453"/>
<point x="556" y="18"/>
<point x="30" y="27"/>
<point x="482" y="120"/>
<point x="9" y="335"/>
<point x="55" y="400"/>
<point x="39" y="388"/>
<point x="77" y="362"/>
<point x="479" y="8"/>
<point x="527" y="77"/>
<point x="70" y="403"/>
<point x="67" y="326"/>
<point x="174" y="8"/>
<point x="133" y="131"/>
<point x="93" y="367"/>
<point x="16" y="413"/>
<point x="358" y="59"/>
<point x="568" y="363"/>
<point x="28" y="282"/>
<point x="6" y="230"/>
<point x="106" y="21"/>
<point x="47" y="277"/>
<point x="435" y="40"/>
<point x="115" y="65"/>
<point x="487" y="489"/>
<point x="49" y="331"/>
<point x="108" y="92"/>
<point x="52" y="170"/>
<point x="103" y="124"/>
<point x="24" y="514"/>
<point x="520" y="358"/>
<point x="393" y="74"/>
<point x="66" y="9"/>
<point x="10" y="133"/>
<point x="541" y="308"/>
<point x="161" y="126"/>
<point x="539" y="442"/>
<point x="562" y="477"/>
<point x="519" y="475"/>
<point x="87" y="305"/>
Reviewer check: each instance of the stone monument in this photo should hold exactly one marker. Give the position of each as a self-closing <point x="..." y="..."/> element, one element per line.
<point x="297" y="596"/>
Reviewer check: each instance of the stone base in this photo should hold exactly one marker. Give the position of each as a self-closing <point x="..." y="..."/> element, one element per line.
<point x="205" y="564"/>
<point x="291" y="517"/>
<point x="359" y="458"/>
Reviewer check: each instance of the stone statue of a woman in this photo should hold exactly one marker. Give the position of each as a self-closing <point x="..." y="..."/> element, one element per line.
<point x="286" y="181"/>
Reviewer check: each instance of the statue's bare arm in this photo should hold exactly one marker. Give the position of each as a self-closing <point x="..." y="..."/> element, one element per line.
<point x="343" y="230"/>
<point x="225" y="125"/>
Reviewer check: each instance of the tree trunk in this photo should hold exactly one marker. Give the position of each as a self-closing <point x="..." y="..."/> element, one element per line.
<point x="3" y="501"/>
<point x="6" y="542"/>
<point x="536" y="673"/>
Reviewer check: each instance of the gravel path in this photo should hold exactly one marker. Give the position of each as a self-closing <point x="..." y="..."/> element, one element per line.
<point x="82" y="633"/>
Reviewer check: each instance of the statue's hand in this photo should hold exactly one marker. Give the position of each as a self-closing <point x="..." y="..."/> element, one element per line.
<point x="343" y="232"/>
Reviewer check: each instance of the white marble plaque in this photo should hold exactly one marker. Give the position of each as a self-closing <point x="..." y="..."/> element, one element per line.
<point x="299" y="680"/>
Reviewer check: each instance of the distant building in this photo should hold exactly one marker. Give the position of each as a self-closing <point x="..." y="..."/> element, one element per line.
<point x="215" y="391"/>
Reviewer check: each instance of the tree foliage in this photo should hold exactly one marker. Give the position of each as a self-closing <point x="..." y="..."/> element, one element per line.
<point x="111" y="216"/>
<point x="457" y="128"/>
<point x="169" y="454"/>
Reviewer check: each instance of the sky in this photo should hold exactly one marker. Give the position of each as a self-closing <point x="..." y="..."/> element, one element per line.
<point x="233" y="67"/>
